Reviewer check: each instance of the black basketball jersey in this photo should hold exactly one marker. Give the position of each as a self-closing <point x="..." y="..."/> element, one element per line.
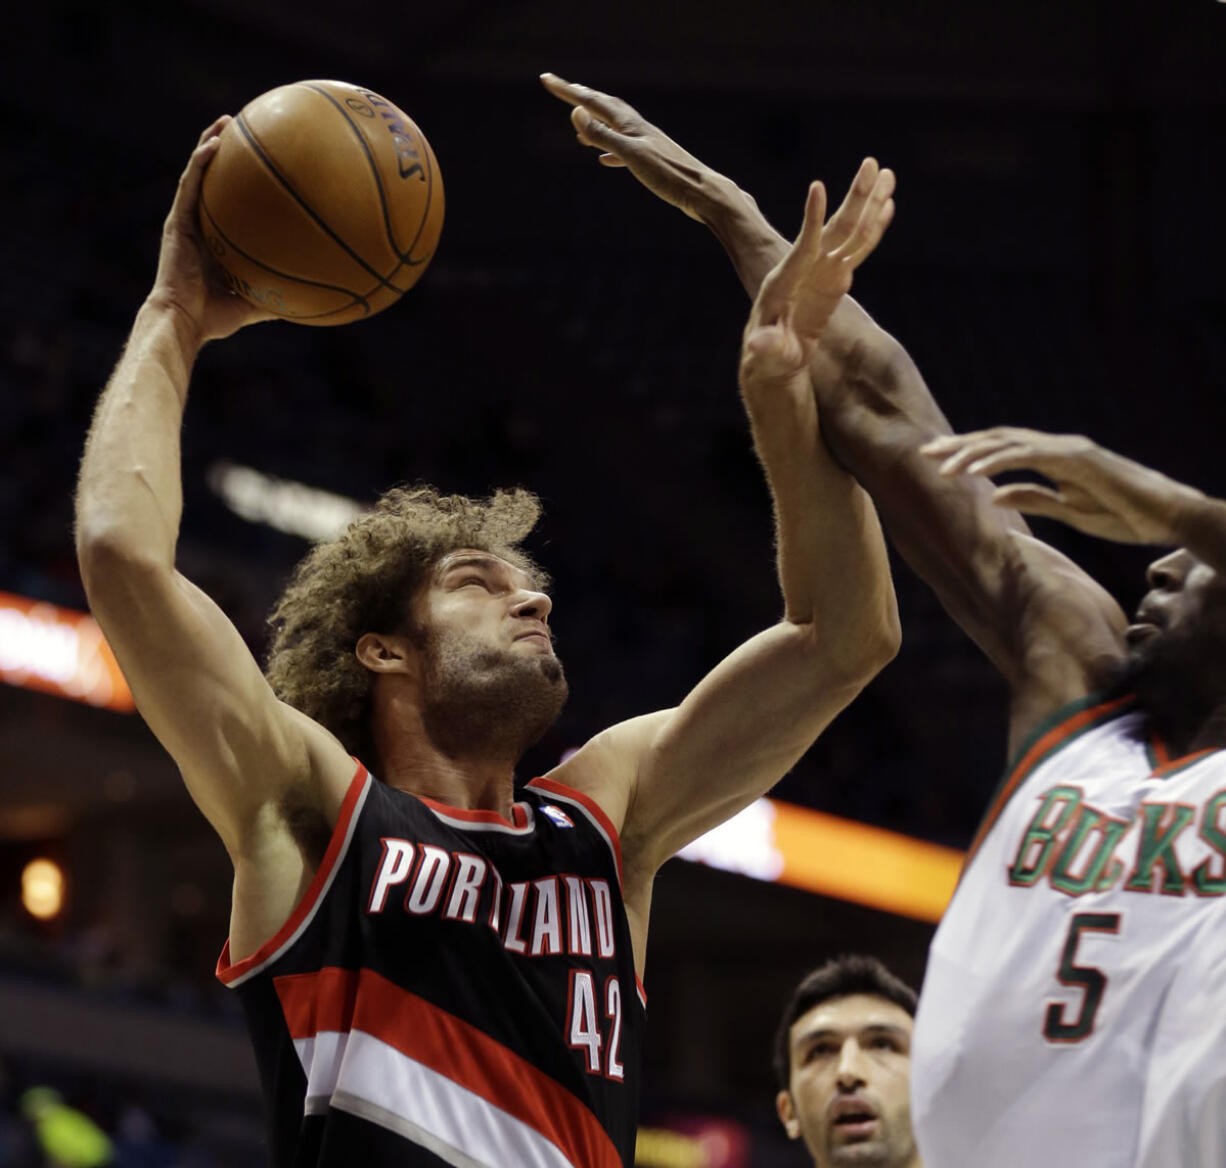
<point x="454" y="988"/>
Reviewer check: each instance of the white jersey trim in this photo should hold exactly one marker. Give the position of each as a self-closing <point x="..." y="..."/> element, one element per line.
<point x="376" y="1082"/>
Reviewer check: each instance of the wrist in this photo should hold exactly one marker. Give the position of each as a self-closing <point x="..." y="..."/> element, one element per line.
<point x="162" y="307"/>
<point x="719" y="203"/>
<point x="1198" y="523"/>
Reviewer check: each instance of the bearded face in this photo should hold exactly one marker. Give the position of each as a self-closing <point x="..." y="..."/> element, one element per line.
<point x="1176" y="662"/>
<point x="480" y="697"/>
<point x="491" y="684"/>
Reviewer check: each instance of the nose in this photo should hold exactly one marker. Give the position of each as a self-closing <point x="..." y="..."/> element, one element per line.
<point x="850" y="1071"/>
<point x="1169" y="572"/>
<point x="533" y="605"/>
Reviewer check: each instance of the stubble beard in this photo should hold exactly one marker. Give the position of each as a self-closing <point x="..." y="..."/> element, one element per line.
<point x="1178" y="679"/>
<point x="488" y="702"/>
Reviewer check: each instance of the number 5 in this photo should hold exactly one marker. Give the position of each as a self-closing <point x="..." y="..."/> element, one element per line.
<point x="1091" y="980"/>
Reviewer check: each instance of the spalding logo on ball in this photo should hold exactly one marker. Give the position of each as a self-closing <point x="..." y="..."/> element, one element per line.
<point x="323" y="203"/>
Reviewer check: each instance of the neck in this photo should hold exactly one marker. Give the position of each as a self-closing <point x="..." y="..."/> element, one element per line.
<point x="1186" y="731"/>
<point x="1183" y="691"/>
<point x="478" y="777"/>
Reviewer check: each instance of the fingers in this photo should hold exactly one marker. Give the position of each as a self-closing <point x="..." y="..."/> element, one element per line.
<point x="848" y="215"/>
<point x="1032" y="499"/>
<point x="809" y="241"/>
<point x="183" y="209"/>
<point x="604" y="105"/>
<point x="988" y="452"/>
<point x="215" y="129"/>
<point x="771" y="351"/>
<point x="970" y="458"/>
<point x="876" y="214"/>
<point x="591" y="131"/>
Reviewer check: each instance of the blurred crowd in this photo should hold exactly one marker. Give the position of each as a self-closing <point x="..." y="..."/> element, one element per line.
<point x="50" y="1121"/>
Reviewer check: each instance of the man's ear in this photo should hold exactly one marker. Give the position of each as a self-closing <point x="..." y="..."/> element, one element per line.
<point x="787" y="1114"/>
<point x="386" y="652"/>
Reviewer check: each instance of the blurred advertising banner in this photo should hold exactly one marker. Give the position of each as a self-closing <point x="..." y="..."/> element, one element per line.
<point x="59" y="651"/>
<point x="693" y="1142"/>
<point x="781" y="842"/>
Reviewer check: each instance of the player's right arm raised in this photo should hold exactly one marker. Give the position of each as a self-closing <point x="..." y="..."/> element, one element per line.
<point x="195" y="682"/>
<point x="1052" y="631"/>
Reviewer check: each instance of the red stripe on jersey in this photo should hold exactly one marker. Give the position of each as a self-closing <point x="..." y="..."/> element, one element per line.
<point x="593" y="809"/>
<point x="228" y="972"/>
<point x="349" y="999"/>
<point x="518" y="820"/>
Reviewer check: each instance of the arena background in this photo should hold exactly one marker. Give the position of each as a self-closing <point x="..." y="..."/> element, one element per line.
<point x="1056" y="261"/>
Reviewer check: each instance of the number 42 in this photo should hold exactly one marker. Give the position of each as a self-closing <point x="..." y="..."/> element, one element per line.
<point x="584" y="1026"/>
<point x="1088" y="978"/>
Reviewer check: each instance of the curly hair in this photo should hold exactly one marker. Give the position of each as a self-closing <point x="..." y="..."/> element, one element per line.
<point x="364" y="582"/>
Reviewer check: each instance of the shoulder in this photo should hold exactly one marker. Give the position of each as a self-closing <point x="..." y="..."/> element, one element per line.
<point x="606" y="767"/>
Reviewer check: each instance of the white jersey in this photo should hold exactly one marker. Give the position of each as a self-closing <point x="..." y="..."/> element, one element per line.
<point x="1074" y="1010"/>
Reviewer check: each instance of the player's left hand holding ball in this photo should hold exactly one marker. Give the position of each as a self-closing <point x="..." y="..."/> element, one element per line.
<point x="187" y="278"/>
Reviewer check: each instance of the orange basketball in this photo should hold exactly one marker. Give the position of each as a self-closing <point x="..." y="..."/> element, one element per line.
<point x="323" y="203"/>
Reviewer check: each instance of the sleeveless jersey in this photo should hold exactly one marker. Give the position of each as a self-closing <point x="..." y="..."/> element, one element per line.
<point x="454" y="988"/>
<point x="1074" y="1008"/>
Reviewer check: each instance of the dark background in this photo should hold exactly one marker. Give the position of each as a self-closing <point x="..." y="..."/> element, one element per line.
<point x="1056" y="261"/>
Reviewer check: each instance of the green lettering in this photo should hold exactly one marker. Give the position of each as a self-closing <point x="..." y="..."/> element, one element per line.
<point x="1110" y="831"/>
<point x="1206" y="882"/>
<point x="1158" y="847"/>
<point x="1040" y="836"/>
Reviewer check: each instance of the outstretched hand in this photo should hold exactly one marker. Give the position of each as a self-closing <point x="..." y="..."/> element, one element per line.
<point x="187" y="278"/>
<point x="1093" y="490"/>
<point x="798" y="297"/>
<point x="625" y="138"/>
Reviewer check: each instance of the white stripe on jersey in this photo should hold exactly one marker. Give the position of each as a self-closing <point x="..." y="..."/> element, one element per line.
<point x="378" y="1083"/>
<point x="464" y="824"/>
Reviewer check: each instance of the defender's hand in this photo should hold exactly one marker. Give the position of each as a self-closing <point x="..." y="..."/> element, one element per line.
<point x="187" y="278"/>
<point x="799" y="295"/>
<point x="626" y="138"/>
<point x="1095" y="491"/>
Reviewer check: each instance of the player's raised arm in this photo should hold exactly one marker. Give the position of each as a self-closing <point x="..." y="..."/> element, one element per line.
<point x="194" y="680"/>
<point x="758" y="711"/>
<point x="1051" y="630"/>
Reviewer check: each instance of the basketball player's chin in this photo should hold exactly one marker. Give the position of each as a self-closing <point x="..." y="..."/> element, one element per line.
<point x="550" y="668"/>
<point x="851" y="1142"/>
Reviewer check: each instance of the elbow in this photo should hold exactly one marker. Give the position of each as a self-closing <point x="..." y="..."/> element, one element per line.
<point x="889" y="633"/>
<point x="110" y="557"/>
<point x="849" y="657"/>
<point x="872" y="652"/>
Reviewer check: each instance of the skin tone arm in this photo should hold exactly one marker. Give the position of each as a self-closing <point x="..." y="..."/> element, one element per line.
<point x="760" y="709"/>
<point x="242" y="753"/>
<point x="1052" y="632"/>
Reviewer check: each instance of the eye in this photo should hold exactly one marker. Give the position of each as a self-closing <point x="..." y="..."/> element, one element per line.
<point x="468" y="581"/>
<point x="820" y="1050"/>
<point x="884" y="1042"/>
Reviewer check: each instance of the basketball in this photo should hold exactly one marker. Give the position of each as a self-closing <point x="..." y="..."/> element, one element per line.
<point x="323" y="203"/>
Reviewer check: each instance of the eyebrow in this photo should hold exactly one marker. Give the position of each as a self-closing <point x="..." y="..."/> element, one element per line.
<point x="872" y="1029"/>
<point x="469" y="560"/>
<point x="481" y="560"/>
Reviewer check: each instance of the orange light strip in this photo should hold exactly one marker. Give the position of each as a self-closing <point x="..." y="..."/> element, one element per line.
<point x="867" y="865"/>
<point x="783" y="843"/>
<point x="59" y="651"/>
